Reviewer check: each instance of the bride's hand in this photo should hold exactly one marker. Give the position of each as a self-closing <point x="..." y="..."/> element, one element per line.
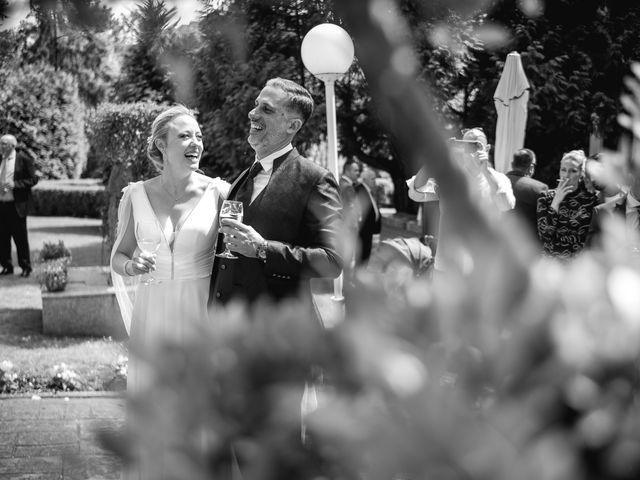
<point x="143" y="263"/>
<point x="240" y="238"/>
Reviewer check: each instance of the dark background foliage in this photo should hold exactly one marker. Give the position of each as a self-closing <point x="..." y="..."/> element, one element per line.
<point x="41" y="106"/>
<point x="574" y="52"/>
<point x="118" y="133"/>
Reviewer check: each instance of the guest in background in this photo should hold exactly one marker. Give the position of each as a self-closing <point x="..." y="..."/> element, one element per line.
<point x="525" y="189"/>
<point x="564" y="213"/>
<point x="599" y="181"/>
<point x="350" y="177"/>
<point x="370" y="219"/>
<point x="625" y="207"/>
<point x="351" y="215"/>
<point x="17" y="176"/>
<point x="492" y="189"/>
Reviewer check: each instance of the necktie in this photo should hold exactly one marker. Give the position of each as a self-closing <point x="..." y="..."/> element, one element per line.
<point x="246" y="188"/>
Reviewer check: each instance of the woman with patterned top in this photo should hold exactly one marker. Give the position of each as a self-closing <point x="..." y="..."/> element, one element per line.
<point x="564" y="214"/>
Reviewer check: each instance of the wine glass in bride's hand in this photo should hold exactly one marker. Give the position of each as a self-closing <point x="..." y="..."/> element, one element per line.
<point x="230" y="209"/>
<point x="149" y="236"/>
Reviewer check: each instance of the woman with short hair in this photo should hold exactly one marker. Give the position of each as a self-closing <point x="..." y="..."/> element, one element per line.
<point x="564" y="213"/>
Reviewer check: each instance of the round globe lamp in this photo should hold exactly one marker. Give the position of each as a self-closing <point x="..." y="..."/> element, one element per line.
<point x="327" y="52"/>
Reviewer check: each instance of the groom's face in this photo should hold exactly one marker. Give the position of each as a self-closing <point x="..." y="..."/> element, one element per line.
<point x="272" y="125"/>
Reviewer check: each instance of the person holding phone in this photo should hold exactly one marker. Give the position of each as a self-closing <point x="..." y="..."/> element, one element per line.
<point x="491" y="187"/>
<point x="564" y="213"/>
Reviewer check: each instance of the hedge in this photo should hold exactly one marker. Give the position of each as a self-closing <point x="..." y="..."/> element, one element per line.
<point x="40" y="106"/>
<point x="69" y="198"/>
<point x="118" y="135"/>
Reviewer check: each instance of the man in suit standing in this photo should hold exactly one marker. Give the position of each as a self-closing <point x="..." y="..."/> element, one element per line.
<point x="350" y="176"/>
<point x="292" y="208"/>
<point x="351" y="214"/>
<point x="525" y="189"/>
<point x="370" y="220"/>
<point x="17" y="176"/>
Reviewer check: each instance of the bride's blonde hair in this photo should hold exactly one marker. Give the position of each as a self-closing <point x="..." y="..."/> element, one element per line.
<point x="159" y="129"/>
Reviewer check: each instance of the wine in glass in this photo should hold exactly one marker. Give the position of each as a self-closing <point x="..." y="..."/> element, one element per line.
<point x="149" y="236"/>
<point x="230" y="209"/>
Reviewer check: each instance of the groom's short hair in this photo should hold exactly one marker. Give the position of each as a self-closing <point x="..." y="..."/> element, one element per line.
<point x="299" y="100"/>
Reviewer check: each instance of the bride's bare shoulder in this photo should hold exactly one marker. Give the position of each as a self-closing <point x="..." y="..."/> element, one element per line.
<point x="212" y="181"/>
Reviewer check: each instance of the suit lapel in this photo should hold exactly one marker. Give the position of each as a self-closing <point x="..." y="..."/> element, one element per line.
<point x="235" y="185"/>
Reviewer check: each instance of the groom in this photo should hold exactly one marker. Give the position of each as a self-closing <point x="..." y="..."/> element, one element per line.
<point x="290" y="232"/>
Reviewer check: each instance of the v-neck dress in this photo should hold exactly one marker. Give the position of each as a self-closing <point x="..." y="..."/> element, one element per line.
<point x="184" y="261"/>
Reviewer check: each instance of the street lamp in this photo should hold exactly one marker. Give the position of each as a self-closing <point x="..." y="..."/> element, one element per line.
<point x="327" y="52"/>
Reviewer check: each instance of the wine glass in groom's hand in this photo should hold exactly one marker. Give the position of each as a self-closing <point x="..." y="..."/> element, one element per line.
<point x="234" y="210"/>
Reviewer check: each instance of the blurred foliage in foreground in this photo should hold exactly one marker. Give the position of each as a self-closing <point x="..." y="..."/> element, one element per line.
<point x="520" y="368"/>
<point x="423" y="382"/>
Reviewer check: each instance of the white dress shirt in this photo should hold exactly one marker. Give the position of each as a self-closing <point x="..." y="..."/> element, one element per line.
<point x="7" y="169"/>
<point x="262" y="179"/>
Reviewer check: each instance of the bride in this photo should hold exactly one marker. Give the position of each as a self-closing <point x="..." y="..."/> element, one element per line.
<point x="175" y="217"/>
<point x="181" y="206"/>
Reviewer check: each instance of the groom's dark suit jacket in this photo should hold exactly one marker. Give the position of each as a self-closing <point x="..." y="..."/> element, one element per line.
<point x="298" y="213"/>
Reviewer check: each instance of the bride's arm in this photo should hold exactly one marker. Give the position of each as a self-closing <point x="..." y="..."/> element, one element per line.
<point x="122" y="262"/>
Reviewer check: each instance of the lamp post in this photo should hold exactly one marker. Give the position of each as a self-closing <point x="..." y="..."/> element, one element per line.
<point x="327" y="52"/>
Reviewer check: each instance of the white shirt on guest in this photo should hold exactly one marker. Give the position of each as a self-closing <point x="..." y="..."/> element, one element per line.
<point x="262" y="179"/>
<point x="7" y="169"/>
<point x="451" y="254"/>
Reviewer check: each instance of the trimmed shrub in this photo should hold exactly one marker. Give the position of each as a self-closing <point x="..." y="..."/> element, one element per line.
<point x="69" y="198"/>
<point x="54" y="251"/>
<point x="118" y="134"/>
<point x="41" y="107"/>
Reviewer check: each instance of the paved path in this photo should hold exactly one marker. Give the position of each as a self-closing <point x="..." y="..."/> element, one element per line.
<point x="55" y="439"/>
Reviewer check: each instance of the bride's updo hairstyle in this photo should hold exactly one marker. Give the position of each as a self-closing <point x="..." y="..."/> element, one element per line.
<point x="159" y="129"/>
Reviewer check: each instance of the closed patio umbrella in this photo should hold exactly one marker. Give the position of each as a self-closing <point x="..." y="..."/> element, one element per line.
<point x="511" y="99"/>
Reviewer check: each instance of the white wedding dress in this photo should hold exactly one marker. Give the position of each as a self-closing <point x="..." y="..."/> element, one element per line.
<point x="167" y="310"/>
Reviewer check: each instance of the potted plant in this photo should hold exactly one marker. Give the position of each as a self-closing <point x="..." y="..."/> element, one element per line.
<point x="54" y="260"/>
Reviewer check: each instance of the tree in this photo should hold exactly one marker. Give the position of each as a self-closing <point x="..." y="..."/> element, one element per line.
<point x="41" y="107"/>
<point x="73" y="36"/>
<point x="144" y="75"/>
<point x="575" y="56"/>
<point x="4" y="9"/>
<point x="244" y="43"/>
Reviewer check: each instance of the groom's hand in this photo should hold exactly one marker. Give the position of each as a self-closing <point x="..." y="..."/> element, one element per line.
<point x="240" y="238"/>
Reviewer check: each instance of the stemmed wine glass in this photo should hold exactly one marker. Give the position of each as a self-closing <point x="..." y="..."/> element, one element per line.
<point x="149" y="236"/>
<point x="230" y="209"/>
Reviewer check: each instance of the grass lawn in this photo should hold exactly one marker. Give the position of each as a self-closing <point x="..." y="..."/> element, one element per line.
<point x="34" y="357"/>
<point x="22" y="343"/>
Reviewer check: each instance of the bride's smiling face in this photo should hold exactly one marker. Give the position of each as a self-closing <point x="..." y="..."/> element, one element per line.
<point x="183" y="144"/>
